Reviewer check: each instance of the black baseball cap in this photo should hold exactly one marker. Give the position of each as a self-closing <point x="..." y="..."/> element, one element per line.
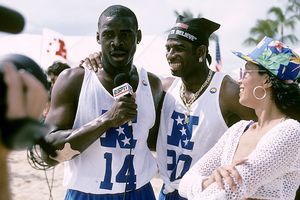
<point x="194" y="30"/>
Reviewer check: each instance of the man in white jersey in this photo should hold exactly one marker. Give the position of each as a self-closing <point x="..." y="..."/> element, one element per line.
<point x="199" y="104"/>
<point x="104" y="155"/>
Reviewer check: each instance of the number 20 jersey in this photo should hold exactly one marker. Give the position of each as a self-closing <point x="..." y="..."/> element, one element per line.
<point x="102" y="167"/>
<point x="181" y="143"/>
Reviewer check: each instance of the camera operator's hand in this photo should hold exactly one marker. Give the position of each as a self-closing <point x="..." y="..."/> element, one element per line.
<point x="26" y="96"/>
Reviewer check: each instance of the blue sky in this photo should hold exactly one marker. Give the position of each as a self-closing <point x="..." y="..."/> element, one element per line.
<point x="79" y="17"/>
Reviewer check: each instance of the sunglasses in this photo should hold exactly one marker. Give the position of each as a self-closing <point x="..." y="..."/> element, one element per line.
<point x="244" y="72"/>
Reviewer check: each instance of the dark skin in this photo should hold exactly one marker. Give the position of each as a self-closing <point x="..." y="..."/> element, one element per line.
<point x="183" y="59"/>
<point x="118" y="37"/>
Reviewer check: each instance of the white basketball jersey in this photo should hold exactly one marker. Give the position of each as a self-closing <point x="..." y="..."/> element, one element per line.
<point x="180" y="145"/>
<point x="102" y="167"/>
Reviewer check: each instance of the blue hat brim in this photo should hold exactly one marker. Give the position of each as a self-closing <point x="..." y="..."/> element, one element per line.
<point x="245" y="57"/>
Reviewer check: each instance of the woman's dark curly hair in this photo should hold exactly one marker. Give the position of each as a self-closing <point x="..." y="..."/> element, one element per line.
<point x="286" y="96"/>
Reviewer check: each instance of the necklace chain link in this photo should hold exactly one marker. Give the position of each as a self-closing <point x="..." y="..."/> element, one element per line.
<point x="189" y="102"/>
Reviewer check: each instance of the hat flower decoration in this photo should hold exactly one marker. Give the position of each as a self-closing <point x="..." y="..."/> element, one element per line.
<point x="276" y="58"/>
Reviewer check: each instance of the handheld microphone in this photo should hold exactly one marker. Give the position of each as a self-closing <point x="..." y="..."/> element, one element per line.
<point x="123" y="88"/>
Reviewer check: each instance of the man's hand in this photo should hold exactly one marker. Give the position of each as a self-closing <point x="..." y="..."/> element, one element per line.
<point x="123" y="110"/>
<point x="93" y="62"/>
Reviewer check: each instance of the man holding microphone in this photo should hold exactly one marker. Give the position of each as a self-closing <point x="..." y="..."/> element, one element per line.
<point x="104" y="155"/>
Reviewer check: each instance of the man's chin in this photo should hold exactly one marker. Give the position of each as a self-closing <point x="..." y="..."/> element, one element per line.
<point x="175" y="73"/>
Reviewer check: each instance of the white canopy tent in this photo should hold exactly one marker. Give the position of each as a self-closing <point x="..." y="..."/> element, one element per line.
<point x="150" y="52"/>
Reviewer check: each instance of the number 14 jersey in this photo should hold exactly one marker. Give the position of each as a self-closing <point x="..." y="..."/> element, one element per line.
<point x="102" y="167"/>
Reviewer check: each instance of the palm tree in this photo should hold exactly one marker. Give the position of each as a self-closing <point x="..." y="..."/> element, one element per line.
<point x="260" y="30"/>
<point x="277" y="26"/>
<point x="285" y="20"/>
<point x="295" y="6"/>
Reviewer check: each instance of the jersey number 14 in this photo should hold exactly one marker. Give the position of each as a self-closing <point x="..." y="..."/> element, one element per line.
<point x="125" y="175"/>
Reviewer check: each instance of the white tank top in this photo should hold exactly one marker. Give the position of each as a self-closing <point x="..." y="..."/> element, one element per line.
<point x="181" y="145"/>
<point x="102" y="167"/>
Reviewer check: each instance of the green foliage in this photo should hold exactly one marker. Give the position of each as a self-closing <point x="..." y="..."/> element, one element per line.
<point x="280" y="24"/>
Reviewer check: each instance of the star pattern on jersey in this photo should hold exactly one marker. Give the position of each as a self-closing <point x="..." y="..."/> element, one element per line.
<point x="121" y="136"/>
<point x="186" y="141"/>
<point x="126" y="141"/>
<point x="179" y="120"/>
<point x="183" y="131"/>
<point x="120" y="130"/>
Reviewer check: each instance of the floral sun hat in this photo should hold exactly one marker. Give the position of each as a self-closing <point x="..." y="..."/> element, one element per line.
<point x="275" y="57"/>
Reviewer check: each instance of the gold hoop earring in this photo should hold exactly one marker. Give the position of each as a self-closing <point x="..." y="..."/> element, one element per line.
<point x="200" y="59"/>
<point x="254" y="92"/>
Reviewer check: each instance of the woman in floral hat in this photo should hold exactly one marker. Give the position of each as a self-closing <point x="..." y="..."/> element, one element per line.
<point x="256" y="160"/>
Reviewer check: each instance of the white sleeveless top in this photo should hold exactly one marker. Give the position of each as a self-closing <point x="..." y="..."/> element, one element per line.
<point x="181" y="145"/>
<point x="102" y="167"/>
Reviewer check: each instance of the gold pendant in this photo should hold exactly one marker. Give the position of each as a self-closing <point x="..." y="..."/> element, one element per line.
<point x="186" y="119"/>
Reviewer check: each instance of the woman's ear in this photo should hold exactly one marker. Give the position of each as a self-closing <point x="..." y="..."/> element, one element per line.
<point x="98" y="37"/>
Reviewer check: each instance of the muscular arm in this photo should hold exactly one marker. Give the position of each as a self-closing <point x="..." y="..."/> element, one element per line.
<point x="65" y="95"/>
<point x="232" y="110"/>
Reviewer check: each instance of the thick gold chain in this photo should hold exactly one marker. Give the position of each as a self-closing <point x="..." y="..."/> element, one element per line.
<point x="189" y="102"/>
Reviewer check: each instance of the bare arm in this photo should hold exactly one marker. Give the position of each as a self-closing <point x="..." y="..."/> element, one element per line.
<point x="232" y="110"/>
<point x="274" y="157"/>
<point x="93" y="62"/>
<point x="62" y="113"/>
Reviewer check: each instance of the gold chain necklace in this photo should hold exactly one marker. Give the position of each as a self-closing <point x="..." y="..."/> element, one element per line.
<point x="188" y="103"/>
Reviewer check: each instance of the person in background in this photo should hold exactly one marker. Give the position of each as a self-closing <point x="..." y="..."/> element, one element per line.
<point x="256" y="159"/>
<point x="53" y="72"/>
<point x="55" y="69"/>
<point x="102" y="141"/>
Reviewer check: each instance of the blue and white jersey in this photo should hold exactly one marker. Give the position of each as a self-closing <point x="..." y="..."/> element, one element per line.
<point x="180" y="145"/>
<point x="102" y="167"/>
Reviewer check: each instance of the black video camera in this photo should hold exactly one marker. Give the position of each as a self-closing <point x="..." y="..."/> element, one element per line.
<point x="20" y="133"/>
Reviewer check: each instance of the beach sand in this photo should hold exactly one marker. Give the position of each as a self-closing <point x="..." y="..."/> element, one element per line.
<point x="27" y="183"/>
